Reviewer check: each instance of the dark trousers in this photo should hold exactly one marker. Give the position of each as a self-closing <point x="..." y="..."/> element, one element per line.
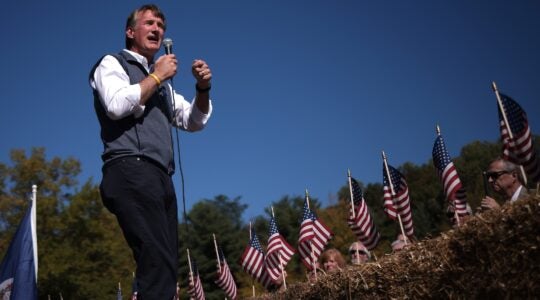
<point x="142" y="197"/>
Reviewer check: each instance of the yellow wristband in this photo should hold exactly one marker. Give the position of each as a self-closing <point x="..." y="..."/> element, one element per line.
<point x="155" y="78"/>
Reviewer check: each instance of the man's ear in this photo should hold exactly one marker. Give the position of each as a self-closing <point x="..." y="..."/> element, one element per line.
<point x="130" y="32"/>
<point x="515" y="175"/>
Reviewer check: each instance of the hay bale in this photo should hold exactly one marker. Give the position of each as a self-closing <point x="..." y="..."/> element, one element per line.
<point x="493" y="254"/>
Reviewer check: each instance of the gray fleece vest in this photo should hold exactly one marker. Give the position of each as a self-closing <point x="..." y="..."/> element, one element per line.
<point x="148" y="136"/>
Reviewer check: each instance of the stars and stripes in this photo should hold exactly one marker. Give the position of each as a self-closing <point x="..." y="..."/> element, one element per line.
<point x="119" y="292"/>
<point x="176" y="295"/>
<point x="278" y="252"/>
<point x="195" y="289"/>
<point x="361" y="222"/>
<point x="313" y="237"/>
<point x="453" y="189"/>
<point x="134" y="288"/>
<point x="518" y="149"/>
<point x="253" y="261"/>
<point x="399" y="203"/>
<point x="225" y="279"/>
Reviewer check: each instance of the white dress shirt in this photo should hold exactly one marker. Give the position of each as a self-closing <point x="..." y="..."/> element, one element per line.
<point x="121" y="99"/>
<point x="515" y="196"/>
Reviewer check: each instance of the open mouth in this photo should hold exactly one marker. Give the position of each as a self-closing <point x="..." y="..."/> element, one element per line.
<point x="153" y="38"/>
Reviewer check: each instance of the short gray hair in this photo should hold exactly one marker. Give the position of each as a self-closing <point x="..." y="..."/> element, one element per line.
<point x="132" y="18"/>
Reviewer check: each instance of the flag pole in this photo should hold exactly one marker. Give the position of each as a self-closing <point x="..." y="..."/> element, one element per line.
<point x="190" y="269"/>
<point x="393" y="193"/>
<point x="307" y="198"/>
<point x="510" y="134"/>
<point x="279" y="256"/>
<point x="250" y="230"/>
<point x="312" y="252"/>
<point x="252" y="280"/>
<point x="33" y="224"/>
<point x="456" y="215"/>
<point x="350" y="191"/>
<point x="217" y="253"/>
<point x="352" y="199"/>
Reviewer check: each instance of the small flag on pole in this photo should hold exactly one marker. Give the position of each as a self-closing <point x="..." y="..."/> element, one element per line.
<point x="225" y="279"/>
<point x="119" y="292"/>
<point x="314" y="236"/>
<point x="360" y="221"/>
<point x="134" y="289"/>
<point x="195" y="286"/>
<point x="278" y="253"/>
<point x="399" y="203"/>
<point x="517" y="143"/>
<point x="453" y="189"/>
<point x="252" y="261"/>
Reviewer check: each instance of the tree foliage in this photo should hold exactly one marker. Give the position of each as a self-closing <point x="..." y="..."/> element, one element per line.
<point x="78" y="240"/>
<point x="221" y="217"/>
<point x="83" y="255"/>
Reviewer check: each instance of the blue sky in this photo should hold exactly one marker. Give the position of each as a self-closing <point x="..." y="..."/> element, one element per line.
<point x="302" y="90"/>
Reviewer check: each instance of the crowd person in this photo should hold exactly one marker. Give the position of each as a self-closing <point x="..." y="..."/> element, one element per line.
<point x="332" y="260"/>
<point x="505" y="179"/>
<point x="455" y="220"/>
<point x="358" y="253"/>
<point x="313" y="274"/>
<point x="400" y="243"/>
<point x="136" y="108"/>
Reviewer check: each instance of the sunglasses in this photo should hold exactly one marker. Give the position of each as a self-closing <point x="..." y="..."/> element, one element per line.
<point x="362" y="252"/>
<point x="495" y="175"/>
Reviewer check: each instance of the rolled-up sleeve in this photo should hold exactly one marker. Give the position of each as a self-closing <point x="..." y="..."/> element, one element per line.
<point x="117" y="95"/>
<point x="188" y="115"/>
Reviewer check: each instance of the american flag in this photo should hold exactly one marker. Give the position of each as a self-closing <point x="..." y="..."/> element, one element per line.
<point x="195" y="289"/>
<point x="520" y="149"/>
<point x="134" y="290"/>
<point x="119" y="292"/>
<point x="278" y="252"/>
<point x="313" y="237"/>
<point x="400" y="202"/>
<point x="252" y="261"/>
<point x="176" y="296"/>
<point x="225" y="279"/>
<point x="453" y="189"/>
<point x="362" y="224"/>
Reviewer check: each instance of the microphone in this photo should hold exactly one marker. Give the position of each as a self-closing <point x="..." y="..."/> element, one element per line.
<point x="167" y="44"/>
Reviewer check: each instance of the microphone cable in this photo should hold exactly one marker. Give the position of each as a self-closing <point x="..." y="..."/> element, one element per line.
<point x="167" y="43"/>
<point x="180" y="168"/>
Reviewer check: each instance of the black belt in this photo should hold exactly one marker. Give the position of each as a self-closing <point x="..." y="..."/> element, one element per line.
<point x="138" y="158"/>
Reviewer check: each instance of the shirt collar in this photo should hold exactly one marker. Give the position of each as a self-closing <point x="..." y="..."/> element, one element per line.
<point x="140" y="59"/>
<point x="516" y="194"/>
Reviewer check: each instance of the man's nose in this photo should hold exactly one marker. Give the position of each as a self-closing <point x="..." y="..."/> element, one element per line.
<point x="155" y="27"/>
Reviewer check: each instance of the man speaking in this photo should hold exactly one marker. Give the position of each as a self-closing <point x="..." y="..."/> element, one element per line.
<point x="136" y="108"/>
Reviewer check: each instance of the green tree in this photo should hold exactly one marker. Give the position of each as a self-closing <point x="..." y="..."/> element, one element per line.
<point x="81" y="251"/>
<point x="222" y="217"/>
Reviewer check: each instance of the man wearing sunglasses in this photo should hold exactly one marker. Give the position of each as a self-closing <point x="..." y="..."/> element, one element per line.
<point x="505" y="180"/>
<point x="358" y="253"/>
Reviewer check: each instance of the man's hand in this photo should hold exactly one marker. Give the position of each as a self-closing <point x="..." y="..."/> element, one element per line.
<point x="202" y="73"/>
<point x="165" y="67"/>
<point x="489" y="203"/>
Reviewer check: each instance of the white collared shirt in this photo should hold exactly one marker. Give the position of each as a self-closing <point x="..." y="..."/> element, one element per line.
<point x="121" y="99"/>
<point x="515" y="196"/>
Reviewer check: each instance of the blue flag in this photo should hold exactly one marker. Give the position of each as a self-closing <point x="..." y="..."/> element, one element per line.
<point x="18" y="271"/>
